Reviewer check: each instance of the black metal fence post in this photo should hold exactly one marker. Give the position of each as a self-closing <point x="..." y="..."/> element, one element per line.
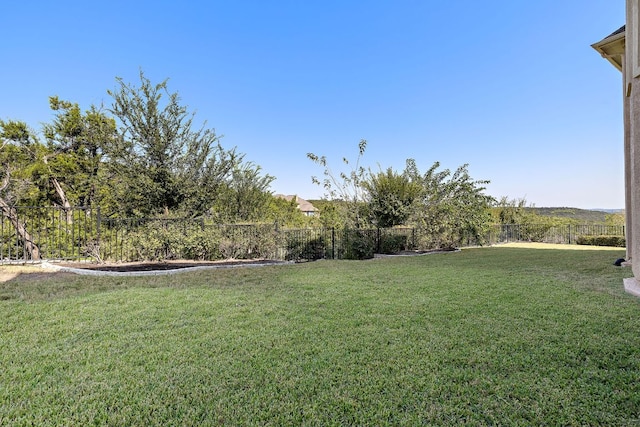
<point x="98" y="221"/>
<point x="333" y="243"/>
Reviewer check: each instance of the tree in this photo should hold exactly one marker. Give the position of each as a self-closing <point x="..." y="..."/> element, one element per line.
<point x="346" y="187"/>
<point x="391" y="197"/>
<point x="285" y="213"/>
<point x="76" y="143"/>
<point x="246" y="197"/>
<point x="16" y="142"/>
<point x="164" y="164"/>
<point x="446" y="206"/>
<point x="450" y="206"/>
<point x="22" y="155"/>
<point x="330" y="213"/>
<point x="512" y="211"/>
<point x="617" y="218"/>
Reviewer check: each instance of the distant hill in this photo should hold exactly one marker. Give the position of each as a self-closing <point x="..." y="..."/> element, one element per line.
<point x="581" y="215"/>
<point x="609" y="211"/>
<point x="586" y="215"/>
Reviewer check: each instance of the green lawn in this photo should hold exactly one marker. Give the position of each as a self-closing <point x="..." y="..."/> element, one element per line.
<point x="502" y="336"/>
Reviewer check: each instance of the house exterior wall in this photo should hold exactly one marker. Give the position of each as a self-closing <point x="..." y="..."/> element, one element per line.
<point x="628" y="208"/>
<point x="613" y="48"/>
<point x="622" y="49"/>
<point x="631" y="84"/>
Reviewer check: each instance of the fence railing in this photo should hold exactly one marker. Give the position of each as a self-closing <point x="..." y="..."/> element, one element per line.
<point x="82" y="234"/>
<point x="34" y="233"/>
<point x="565" y="234"/>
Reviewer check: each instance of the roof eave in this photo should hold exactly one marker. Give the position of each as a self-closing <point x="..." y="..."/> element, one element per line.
<point x="612" y="49"/>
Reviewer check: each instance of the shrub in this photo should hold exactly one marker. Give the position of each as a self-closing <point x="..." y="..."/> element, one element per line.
<point x="201" y="245"/>
<point x="305" y="249"/>
<point x="358" y="244"/>
<point x="167" y="240"/>
<point x="249" y="241"/>
<point x="155" y="243"/>
<point x="534" y="232"/>
<point x="391" y="244"/>
<point x="615" y="241"/>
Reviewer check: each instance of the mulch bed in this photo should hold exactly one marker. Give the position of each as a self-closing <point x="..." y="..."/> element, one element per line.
<point x="162" y="266"/>
<point x="179" y="264"/>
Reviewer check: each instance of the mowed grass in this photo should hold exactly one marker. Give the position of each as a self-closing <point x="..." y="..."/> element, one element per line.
<point x="502" y="336"/>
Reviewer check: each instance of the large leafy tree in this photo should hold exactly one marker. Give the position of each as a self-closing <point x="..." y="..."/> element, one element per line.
<point x="246" y="197"/>
<point x="391" y="197"/>
<point x="445" y="206"/>
<point x="512" y="211"/>
<point x="163" y="162"/>
<point x="450" y="206"/>
<point x="22" y="157"/>
<point x="62" y="172"/>
<point x="76" y="143"/>
<point x="18" y="149"/>
<point x="285" y="213"/>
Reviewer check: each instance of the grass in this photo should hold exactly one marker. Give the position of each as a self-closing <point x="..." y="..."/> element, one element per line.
<point x="502" y="336"/>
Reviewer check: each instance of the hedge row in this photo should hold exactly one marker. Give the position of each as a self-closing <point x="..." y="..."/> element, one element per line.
<point x="615" y="241"/>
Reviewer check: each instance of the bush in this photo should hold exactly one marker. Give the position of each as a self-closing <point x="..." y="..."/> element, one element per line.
<point x="155" y="243"/>
<point x="358" y="244"/>
<point x="393" y="244"/>
<point x="249" y="241"/>
<point x="615" y="241"/>
<point x="168" y="241"/>
<point x="299" y="248"/>
<point x="201" y="245"/>
<point x="534" y="232"/>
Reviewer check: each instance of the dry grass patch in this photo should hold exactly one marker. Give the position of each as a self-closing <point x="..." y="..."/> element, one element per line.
<point x="536" y="245"/>
<point x="23" y="272"/>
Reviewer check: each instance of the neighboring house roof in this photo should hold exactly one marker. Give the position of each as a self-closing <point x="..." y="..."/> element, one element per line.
<point x="303" y="205"/>
<point x="612" y="47"/>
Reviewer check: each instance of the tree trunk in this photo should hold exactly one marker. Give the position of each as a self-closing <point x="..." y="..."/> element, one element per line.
<point x="63" y="198"/>
<point x="61" y="194"/>
<point x="11" y="214"/>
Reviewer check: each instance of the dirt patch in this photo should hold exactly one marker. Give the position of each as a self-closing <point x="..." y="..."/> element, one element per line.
<point x="22" y="273"/>
<point x="6" y="276"/>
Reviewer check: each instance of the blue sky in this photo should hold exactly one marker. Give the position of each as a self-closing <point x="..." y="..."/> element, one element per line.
<point x="511" y="88"/>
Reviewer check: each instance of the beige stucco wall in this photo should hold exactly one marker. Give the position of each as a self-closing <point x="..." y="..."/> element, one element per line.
<point x="622" y="49"/>
<point x="627" y="174"/>
<point x="632" y="137"/>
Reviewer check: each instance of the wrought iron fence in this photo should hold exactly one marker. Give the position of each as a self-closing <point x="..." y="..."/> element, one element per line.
<point x="83" y="234"/>
<point x="35" y="233"/>
<point x="566" y="234"/>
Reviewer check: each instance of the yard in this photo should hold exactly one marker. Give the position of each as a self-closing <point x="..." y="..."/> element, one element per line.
<point x="498" y="335"/>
